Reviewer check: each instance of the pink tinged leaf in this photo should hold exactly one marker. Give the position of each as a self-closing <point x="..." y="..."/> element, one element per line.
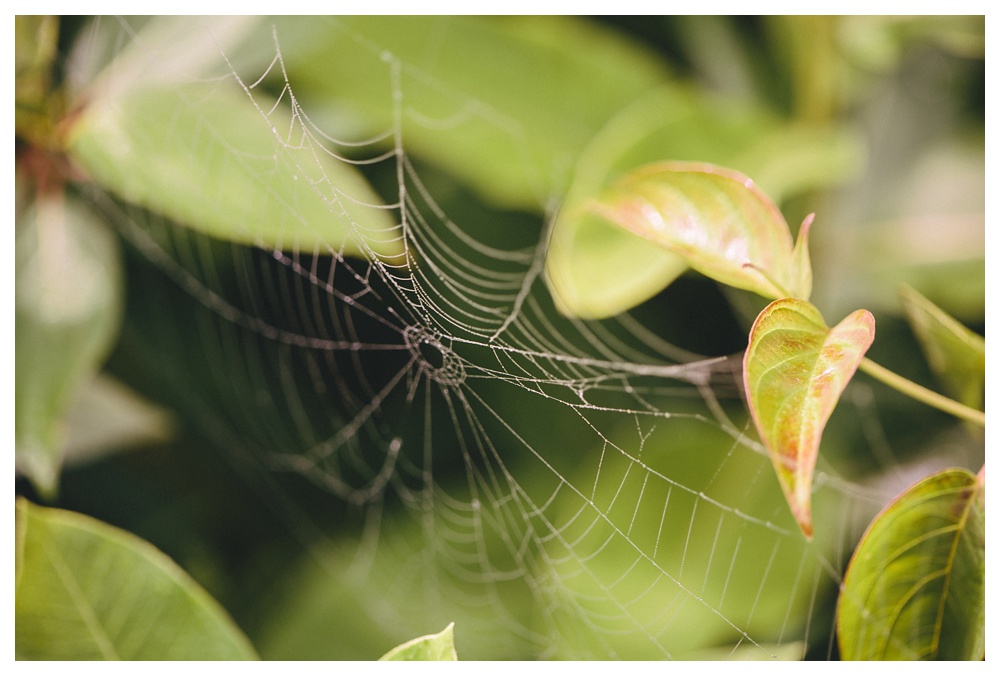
<point x="794" y="371"/>
<point x="718" y="221"/>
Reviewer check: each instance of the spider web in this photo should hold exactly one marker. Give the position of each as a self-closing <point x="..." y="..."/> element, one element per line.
<point x="559" y="488"/>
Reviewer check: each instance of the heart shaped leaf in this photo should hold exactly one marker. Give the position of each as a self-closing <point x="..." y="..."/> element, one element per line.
<point x="794" y="371"/>
<point x="916" y="585"/>
<point x="718" y="221"/>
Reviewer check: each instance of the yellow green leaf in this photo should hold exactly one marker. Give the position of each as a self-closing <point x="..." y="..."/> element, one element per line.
<point x="208" y="157"/>
<point x="956" y="354"/>
<point x="794" y="371"/>
<point x="596" y="268"/>
<point x="85" y="590"/>
<point x="512" y="138"/>
<point x="434" y="647"/>
<point x="916" y="585"/>
<point x="717" y="220"/>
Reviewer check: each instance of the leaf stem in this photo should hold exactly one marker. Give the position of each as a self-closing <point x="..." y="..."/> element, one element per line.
<point x="922" y="394"/>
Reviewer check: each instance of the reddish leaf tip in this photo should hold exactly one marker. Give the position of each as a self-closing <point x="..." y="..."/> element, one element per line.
<point x="807" y="528"/>
<point x="794" y="370"/>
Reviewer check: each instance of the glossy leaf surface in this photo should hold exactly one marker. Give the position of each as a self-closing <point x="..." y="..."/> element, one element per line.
<point x="794" y="371"/>
<point x="225" y="168"/>
<point x="434" y="647"/>
<point x="596" y="268"/>
<point x="85" y="590"/>
<point x="915" y="587"/>
<point x="717" y="221"/>
<point x="956" y="354"/>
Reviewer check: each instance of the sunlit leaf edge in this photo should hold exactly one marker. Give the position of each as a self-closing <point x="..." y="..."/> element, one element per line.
<point x="436" y="647"/>
<point x="794" y="466"/>
<point x="844" y="621"/>
<point x="198" y="600"/>
<point x="762" y="258"/>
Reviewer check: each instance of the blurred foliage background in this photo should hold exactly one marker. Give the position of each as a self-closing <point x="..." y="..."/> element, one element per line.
<point x="876" y="124"/>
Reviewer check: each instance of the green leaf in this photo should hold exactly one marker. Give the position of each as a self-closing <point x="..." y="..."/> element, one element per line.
<point x="717" y="220"/>
<point x="916" y="585"/>
<point x="597" y="269"/>
<point x="956" y="354"/>
<point x="794" y="371"/>
<point x="85" y="590"/>
<point x="68" y="305"/>
<point x="434" y="647"/>
<point x="209" y="157"/>
<point x="512" y="138"/>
